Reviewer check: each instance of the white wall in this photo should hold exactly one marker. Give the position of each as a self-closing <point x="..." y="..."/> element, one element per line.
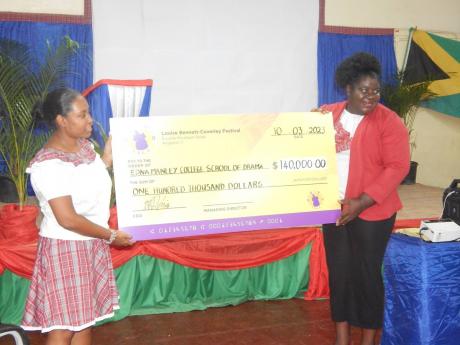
<point x="209" y="56"/>
<point x="438" y="148"/>
<point x="70" y="7"/>
<point x="440" y="15"/>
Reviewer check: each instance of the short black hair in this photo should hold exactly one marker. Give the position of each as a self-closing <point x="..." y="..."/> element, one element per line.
<point x="355" y="67"/>
<point x="57" y="102"/>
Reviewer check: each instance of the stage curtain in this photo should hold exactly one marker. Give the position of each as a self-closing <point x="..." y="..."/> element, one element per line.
<point x="213" y="252"/>
<point x="224" y="251"/>
<point x="13" y="293"/>
<point x="187" y="289"/>
<point x="149" y="285"/>
<point x="333" y="48"/>
<point x="117" y="98"/>
<point x="216" y="252"/>
<point x="36" y="36"/>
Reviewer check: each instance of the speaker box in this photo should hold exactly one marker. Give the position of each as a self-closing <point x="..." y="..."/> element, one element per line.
<point x="451" y="202"/>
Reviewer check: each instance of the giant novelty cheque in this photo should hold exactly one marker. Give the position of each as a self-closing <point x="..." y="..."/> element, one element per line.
<point x="190" y="175"/>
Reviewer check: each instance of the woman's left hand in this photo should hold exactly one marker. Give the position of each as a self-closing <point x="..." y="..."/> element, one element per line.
<point x="107" y="155"/>
<point x="351" y="208"/>
<point x="123" y="239"/>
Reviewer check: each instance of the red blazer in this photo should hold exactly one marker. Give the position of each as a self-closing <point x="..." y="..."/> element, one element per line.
<point x="379" y="160"/>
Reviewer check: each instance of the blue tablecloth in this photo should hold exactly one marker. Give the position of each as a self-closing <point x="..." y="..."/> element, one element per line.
<point x="422" y="292"/>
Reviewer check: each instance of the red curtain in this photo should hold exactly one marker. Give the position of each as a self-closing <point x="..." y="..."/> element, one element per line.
<point x="19" y="224"/>
<point x="214" y="252"/>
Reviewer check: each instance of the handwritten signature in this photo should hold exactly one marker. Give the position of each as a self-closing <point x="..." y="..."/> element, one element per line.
<point x="156" y="203"/>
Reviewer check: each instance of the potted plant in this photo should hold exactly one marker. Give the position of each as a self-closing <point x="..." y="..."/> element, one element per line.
<point x="23" y="82"/>
<point x="405" y="99"/>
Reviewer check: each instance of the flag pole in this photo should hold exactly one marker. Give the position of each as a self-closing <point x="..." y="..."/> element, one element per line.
<point x="409" y="42"/>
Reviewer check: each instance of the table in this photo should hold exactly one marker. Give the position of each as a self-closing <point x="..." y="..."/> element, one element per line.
<point x="422" y="292"/>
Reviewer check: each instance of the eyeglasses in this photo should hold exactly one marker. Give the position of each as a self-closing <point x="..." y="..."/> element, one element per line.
<point x="368" y="92"/>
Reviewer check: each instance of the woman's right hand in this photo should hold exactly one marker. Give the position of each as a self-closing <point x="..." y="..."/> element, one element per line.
<point x="107" y="157"/>
<point x="123" y="239"/>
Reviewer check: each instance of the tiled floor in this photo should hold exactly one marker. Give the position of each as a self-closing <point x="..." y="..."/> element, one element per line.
<point x="285" y="322"/>
<point x="420" y="201"/>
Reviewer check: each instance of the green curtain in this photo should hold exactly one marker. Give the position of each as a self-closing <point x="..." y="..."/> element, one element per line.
<point x="151" y="286"/>
<point x="13" y="293"/>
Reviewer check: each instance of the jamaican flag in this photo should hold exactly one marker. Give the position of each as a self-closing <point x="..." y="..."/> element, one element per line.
<point x="432" y="57"/>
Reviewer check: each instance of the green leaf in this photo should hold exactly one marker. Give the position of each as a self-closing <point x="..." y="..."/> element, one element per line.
<point x="405" y="99"/>
<point x="20" y="89"/>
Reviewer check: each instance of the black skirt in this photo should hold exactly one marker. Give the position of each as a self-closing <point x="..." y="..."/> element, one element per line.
<point x="354" y="255"/>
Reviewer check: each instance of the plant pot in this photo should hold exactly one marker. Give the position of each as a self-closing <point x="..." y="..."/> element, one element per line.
<point x="20" y="225"/>
<point x="412" y="175"/>
<point x="8" y="192"/>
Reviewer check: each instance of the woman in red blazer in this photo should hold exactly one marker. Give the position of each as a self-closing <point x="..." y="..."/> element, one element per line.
<point x="372" y="147"/>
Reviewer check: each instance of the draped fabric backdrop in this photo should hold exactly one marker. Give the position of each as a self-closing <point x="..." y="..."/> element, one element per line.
<point x="38" y="31"/>
<point x="201" y="272"/>
<point x="334" y="47"/>
<point x="117" y="98"/>
<point x="38" y="35"/>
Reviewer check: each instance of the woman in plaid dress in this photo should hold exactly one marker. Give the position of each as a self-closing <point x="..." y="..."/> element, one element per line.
<point x="73" y="284"/>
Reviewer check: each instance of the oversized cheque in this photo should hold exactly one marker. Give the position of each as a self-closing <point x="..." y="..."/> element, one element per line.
<point x="192" y="175"/>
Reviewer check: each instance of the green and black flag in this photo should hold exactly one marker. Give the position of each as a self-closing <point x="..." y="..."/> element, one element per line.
<point x="432" y="57"/>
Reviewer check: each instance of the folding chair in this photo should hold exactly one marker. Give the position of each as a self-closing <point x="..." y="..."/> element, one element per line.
<point x="16" y="332"/>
